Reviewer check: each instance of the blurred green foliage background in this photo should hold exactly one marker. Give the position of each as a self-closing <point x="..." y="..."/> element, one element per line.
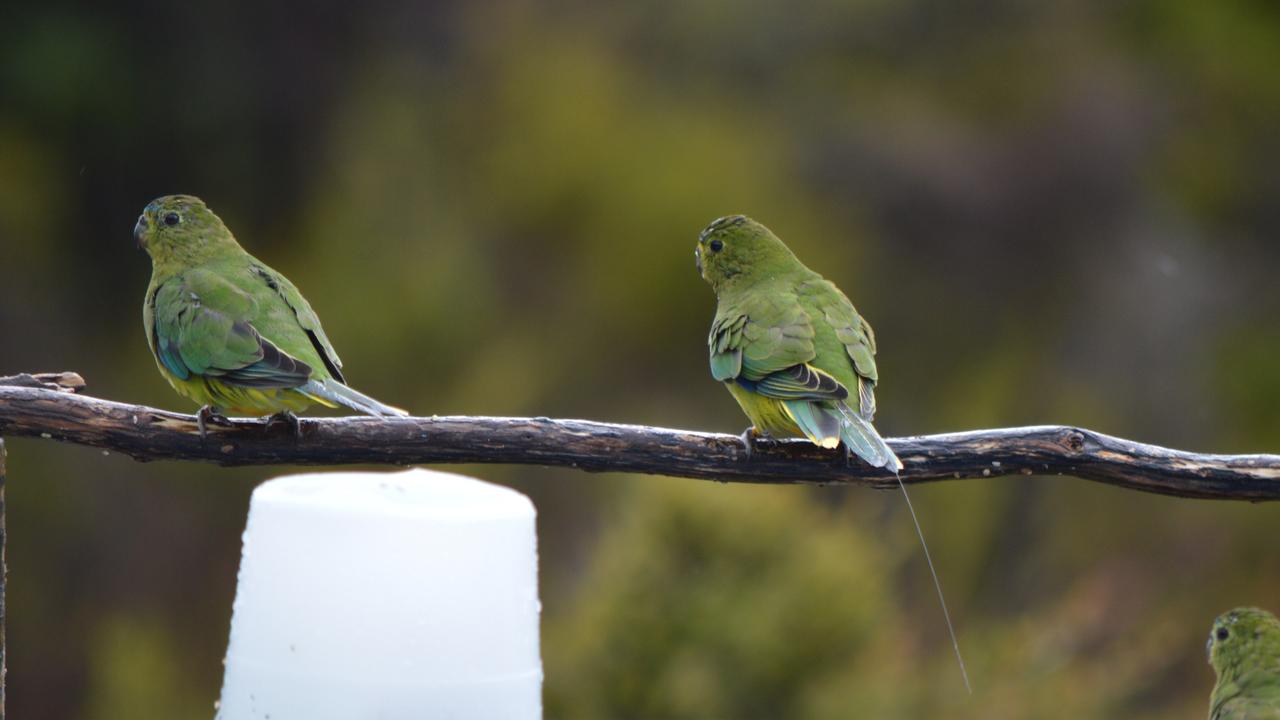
<point x="1051" y="212"/>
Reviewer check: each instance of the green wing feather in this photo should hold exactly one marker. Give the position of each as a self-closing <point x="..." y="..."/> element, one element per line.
<point x="767" y="341"/>
<point x="762" y="334"/>
<point x="777" y="335"/>
<point x="306" y="317"/>
<point x="853" y="331"/>
<point x="725" y="343"/>
<point x="202" y="327"/>
<point x="801" y="382"/>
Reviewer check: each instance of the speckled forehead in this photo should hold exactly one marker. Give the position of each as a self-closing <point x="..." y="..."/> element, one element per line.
<point x="727" y="221"/>
<point x="1235" y="616"/>
<point x="180" y="202"/>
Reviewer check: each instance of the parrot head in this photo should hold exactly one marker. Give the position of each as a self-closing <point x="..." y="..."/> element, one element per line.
<point x="1246" y="634"/>
<point x="181" y="228"/>
<point x="736" y="247"/>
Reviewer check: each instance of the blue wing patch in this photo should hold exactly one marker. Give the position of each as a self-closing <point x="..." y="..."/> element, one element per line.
<point x="172" y="360"/>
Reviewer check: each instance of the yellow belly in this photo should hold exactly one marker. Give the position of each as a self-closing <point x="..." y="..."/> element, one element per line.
<point x="769" y="416"/>
<point x="240" y="400"/>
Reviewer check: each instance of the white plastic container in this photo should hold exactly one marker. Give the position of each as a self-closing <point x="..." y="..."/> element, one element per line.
<point x="385" y="595"/>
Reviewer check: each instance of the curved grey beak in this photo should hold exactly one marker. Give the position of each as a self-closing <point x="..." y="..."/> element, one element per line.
<point x="139" y="229"/>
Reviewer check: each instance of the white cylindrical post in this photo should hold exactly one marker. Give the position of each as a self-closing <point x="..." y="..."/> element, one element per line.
<point x="385" y="595"/>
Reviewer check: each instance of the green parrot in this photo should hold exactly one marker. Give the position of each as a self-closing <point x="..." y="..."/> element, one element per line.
<point x="795" y="354"/>
<point x="788" y="345"/>
<point x="1244" y="650"/>
<point x="228" y="331"/>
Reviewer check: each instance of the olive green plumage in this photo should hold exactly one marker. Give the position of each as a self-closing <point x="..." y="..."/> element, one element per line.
<point x="228" y="331"/>
<point x="1244" y="650"/>
<point x="789" y="346"/>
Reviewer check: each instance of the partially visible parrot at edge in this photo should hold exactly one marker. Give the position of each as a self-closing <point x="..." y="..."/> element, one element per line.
<point x="229" y="332"/>
<point x="1244" y="650"/>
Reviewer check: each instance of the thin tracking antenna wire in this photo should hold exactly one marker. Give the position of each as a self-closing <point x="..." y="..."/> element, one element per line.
<point x="936" y="584"/>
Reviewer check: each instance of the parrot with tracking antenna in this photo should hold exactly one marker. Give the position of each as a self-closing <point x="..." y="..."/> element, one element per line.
<point x="795" y="354"/>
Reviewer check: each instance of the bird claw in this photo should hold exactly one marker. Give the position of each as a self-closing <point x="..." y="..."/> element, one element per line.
<point x="209" y="414"/>
<point x="288" y="418"/>
<point x="748" y="437"/>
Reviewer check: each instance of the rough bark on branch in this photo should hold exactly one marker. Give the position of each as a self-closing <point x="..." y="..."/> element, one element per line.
<point x="146" y="433"/>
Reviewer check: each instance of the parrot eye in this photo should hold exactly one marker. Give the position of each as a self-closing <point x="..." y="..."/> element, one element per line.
<point x="716" y="245"/>
<point x="172" y="219"/>
<point x="1223" y="633"/>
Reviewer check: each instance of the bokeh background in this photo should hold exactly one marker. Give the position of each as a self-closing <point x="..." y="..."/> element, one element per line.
<point x="1051" y="212"/>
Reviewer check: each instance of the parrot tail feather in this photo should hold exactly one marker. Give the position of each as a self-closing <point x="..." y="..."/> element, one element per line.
<point x="861" y="437"/>
<point x="821" y="426"/>
<point x="334" y="391"/>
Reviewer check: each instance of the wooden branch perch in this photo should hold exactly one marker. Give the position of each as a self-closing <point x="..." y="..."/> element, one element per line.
<point x="31" y="408"/>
